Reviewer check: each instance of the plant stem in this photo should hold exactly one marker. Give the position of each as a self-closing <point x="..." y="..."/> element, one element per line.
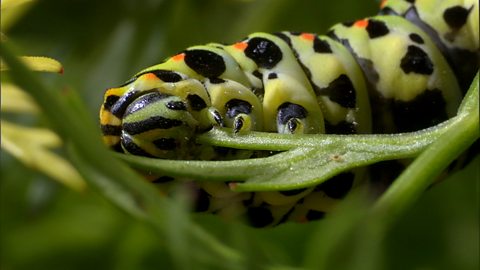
<point x="419" y="176"/>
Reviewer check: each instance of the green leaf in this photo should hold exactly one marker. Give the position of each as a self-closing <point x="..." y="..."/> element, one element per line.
<point x="38" y="63"/>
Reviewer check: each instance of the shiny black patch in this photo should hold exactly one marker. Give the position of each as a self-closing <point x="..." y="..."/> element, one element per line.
<point x="348" y="24"/>
<point x="272" y="76"/>
<point x="292" y="126"/>
<point x="340" y="91"/>
<point x="238" y="124"/>
<point x="456" y="16"/>
<point x="196" y="102"/>
<point x="153" y="122"/>
<point x="132" y="148"/>
<point x="176" y="105"/>
<point x="292" y="192"/>
<point x="118" y="109"/>
<point x="109" y="101"/>
<point x="205" y="63"/>
<point x="338" y="186"/>
<point x="321" y="46"/>
<point x="111" y="130"/>
<point x="288" y="110"/>
<point x="259" y="216"/>
<point x="416" y="61"/>
<point x="143" y="101"/>
<point x="164" y="75"/>
<point x="265" y="53"/>
<point x="314" y="215"/>
<point x="342" y="127"/>
<point x="376" y="29"/>
<point x="165" y="144"/>
<point x="216" y="80"/>
<point x="426" y="110"/>
<point x="416" y="38"/>
<point x="236" y="106"/>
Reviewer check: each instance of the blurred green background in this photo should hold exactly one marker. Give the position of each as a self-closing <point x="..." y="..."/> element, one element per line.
<point x="101" y="44"/>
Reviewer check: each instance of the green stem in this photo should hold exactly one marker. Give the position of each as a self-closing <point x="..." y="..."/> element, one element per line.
<point x="311" y="160"/>
<point x="419" y="176"/>
<point x="282" y="142"/>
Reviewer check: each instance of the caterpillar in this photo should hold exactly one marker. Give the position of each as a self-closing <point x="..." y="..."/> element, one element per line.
<point x="403" y="70"/>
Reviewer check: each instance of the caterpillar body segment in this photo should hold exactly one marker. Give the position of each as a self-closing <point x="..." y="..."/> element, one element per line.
<point x="420" y="90"/>
<point x="401" y="71"/>
<point x="452" y="24"/>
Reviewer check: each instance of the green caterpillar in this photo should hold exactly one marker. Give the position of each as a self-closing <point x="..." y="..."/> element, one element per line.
<point x="403" y="70"/>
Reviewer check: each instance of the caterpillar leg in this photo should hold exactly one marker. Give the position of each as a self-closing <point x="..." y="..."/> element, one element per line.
<point x="290" y="106"/>
<point x="242" y="123"/>
<point x="240" y="108"/>
<point x="291" y="118"/>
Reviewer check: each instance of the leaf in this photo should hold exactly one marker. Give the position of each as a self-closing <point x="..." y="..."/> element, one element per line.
<point x="16" y="101"/>
<point x="312" y="159"/>
<point x="38" y="63"/>
<point x="12" y="10"/>
<point x="32" y="147"/>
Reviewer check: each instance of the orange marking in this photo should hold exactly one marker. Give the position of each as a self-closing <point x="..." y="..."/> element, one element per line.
<point x="241" y="46"/>
<point x="361" y="23"/>
<point x="383" y="3"/>
<point x="178" y="57"/>
<point x="149" y="76"/>
<point x="308" y="36"/>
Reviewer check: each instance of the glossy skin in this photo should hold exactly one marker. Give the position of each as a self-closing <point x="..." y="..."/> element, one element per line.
<point x="382" y="74"/>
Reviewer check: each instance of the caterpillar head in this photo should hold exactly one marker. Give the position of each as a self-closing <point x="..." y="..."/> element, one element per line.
<point x="157" y="114"/>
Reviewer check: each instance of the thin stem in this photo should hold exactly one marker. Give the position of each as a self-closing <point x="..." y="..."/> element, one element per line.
<point x="417" y="177"/>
